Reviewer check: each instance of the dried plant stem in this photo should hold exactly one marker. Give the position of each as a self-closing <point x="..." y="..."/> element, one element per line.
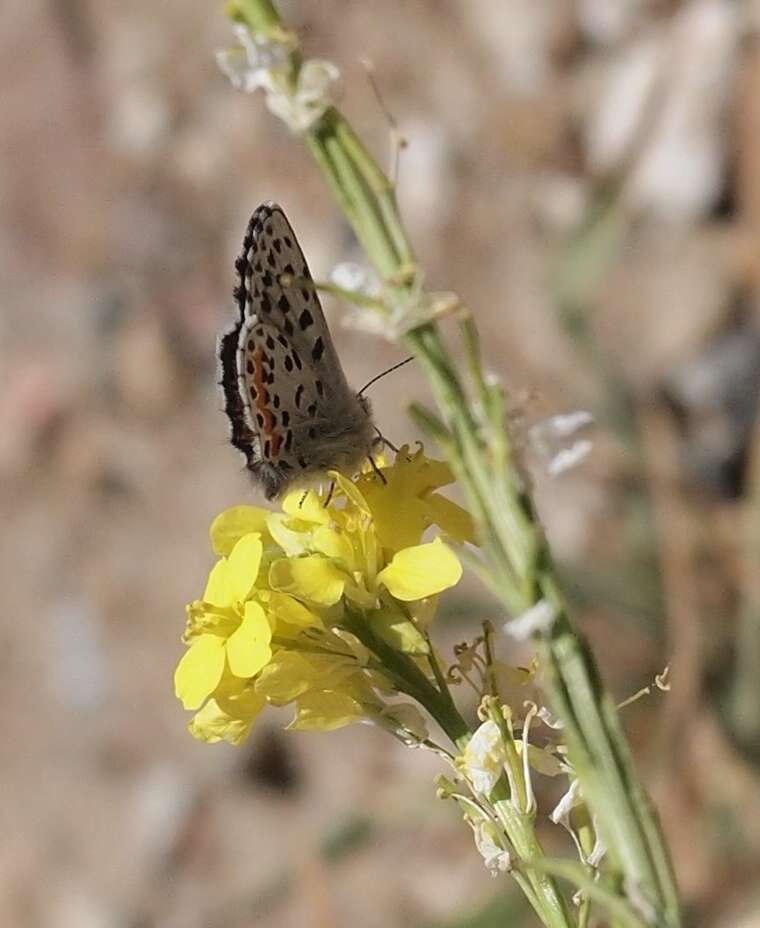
<point x="515" y="556"/>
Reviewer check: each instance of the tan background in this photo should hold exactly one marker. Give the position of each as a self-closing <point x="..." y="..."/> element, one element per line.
<point x="128" y="169"/>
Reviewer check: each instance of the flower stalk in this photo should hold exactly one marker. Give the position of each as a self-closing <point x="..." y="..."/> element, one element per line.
<point x="515" y="559"/>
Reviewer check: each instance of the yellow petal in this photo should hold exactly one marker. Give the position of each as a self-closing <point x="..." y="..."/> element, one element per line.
<point x="291" y="673"/>
<point x="243" y="567"/>
<point x="306" y="507"/>
<point x="421" y="571"/>
<point x="292" y="541"/>
<point x="248" y="647"/>
<point x="350" y="491"/>
<point x="199" y="671"/>
<point x="285" y="677"/>
<point x="400" y="518"/>
<point x="453" y="519"/>
<point x="335" y="545"/>
<point x="315" y="579"/>
<point x="284" y="608"/>
<point x="326" y="711"/>
<point x="214" y="724"/>
<point x="397" y="631"/>
<point x="216" y="585"/>
<point x="230" y="526"/>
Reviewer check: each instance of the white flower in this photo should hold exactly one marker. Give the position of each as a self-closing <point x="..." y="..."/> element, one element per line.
<point x="264" y="63"/>
<point x="549" y="437"/>
<point x="539" y="618"/>
<point x="495" y="857"/>
<point x="571" y="799"/>
<point x="597" y="851"/>
<point x="484" y="758"/>
<point x="570" y="457"/>
<point x="561" y="816"/>
<point x="313" y="95"/>
<point x="348" y="275"/>
<point x="252" y="65"/>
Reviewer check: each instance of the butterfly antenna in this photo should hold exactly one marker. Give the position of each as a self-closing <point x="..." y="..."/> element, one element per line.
<point x="383" y="373"/>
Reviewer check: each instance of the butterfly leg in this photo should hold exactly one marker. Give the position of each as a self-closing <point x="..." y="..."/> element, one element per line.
<point x="329" y="495"/>
<point x="385" y="441"/>
<point x="376" y="469"/>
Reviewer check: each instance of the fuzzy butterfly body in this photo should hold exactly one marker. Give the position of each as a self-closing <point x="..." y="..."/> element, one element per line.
<point x="292" y="412"/>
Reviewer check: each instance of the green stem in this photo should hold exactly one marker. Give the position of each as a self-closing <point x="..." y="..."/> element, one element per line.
<point x="412" y="681"/>
<point x="550" y="903"/>
<point x="576" y="874"/>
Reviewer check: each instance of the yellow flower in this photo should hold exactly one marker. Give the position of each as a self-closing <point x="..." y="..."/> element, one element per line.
<point x="230" y="715"/>
<point x="226" y="630"/>
<point x="407" y="504"/>
<point x="419" y="572"/>
<point x="271" y="624"/>
<point x="232" y="524"/>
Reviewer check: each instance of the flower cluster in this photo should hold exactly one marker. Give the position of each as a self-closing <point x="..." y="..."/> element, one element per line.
<point x="263" y="63"/>
<point x="292" y="607"/>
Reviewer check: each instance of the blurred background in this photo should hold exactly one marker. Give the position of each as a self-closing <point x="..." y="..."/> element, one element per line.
<point x="586" y="175"/>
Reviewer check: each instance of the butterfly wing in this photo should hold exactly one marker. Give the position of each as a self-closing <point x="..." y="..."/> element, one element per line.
<point x="286" y="395"/>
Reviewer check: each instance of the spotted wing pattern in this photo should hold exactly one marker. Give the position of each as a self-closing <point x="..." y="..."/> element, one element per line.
<point x="290" y="407"/>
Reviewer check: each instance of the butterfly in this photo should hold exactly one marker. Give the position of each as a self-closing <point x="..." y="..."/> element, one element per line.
<point x="292" y="412"/>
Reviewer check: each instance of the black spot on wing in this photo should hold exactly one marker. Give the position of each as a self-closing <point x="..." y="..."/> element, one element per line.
<point x="318" y="350"/>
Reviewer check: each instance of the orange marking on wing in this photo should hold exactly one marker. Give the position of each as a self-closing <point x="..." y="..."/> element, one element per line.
<point x="262" y="401"/>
